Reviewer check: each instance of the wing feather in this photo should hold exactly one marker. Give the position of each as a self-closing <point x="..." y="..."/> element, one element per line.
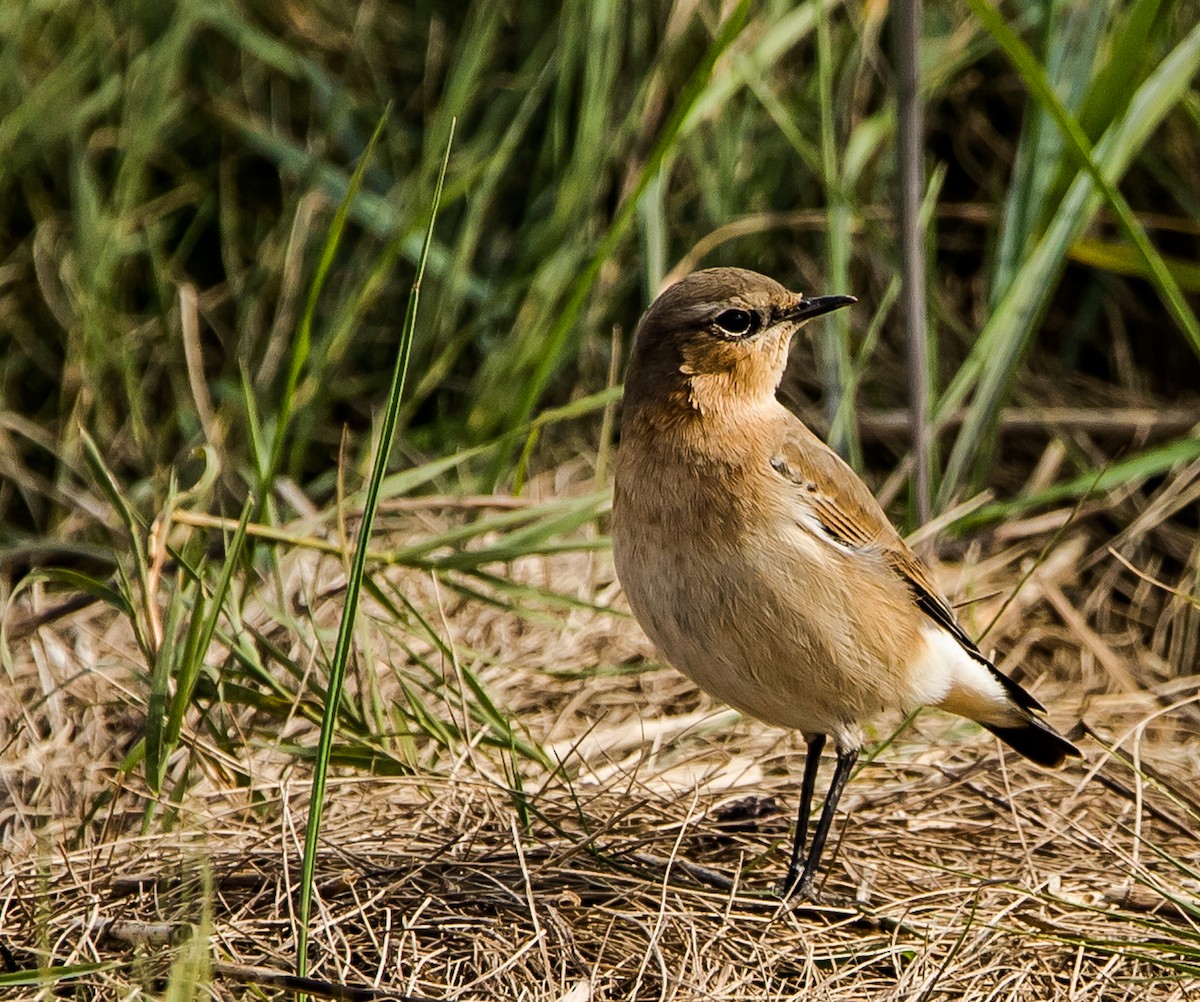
<point x="849" y="515"/>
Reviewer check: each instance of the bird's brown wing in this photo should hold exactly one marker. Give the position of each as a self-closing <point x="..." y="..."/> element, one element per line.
<point x="848" y="514"/>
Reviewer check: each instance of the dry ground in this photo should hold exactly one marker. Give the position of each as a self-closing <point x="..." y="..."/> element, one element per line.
<point x="641" y="868"/>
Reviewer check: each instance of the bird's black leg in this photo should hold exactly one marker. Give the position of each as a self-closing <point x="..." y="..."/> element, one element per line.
<point x="846" y="757"/>
<point x="812" y="762"/>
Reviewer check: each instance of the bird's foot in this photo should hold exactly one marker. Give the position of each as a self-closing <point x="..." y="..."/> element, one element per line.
<point x="798" y="893"/>
<point x="796" y="888"/>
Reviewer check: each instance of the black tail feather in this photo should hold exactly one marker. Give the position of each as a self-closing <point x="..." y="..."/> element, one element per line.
<point x="1037" y="741"/>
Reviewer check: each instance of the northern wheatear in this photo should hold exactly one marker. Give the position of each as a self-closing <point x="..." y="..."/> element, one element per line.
<point x="762" y="566"/>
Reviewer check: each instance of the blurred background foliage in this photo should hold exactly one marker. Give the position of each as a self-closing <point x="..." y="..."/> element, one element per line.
<point x="169" y="173"/>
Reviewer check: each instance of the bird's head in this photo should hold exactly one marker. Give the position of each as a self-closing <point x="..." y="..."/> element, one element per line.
<point x="717" y="339"/>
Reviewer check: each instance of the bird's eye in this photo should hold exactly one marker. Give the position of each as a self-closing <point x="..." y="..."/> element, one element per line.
<point x="736" y="322"/>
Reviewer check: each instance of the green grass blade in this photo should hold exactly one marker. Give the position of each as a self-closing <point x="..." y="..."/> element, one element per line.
<point x="1137" y="469"/>
<point x="992" y="363"/>
<point x="193" y="662"/>
<point x="835" y="330"/>
<point x="161" y="671"/>
<point x="1130" y="47"/>
<point x="75" y="581"/>
<point x="1121" y="259"/>
<point x="303" y="341"/>
<point x="129" y="518"/>
<point x="345" y="640"/>
<point x="1078" y="142"/>
<point x="47" y="976"/>
<point x="549" y="350"/>
<point x="1072" y="35"/>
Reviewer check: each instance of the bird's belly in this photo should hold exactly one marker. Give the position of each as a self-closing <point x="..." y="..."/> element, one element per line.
<point x="773" y="630"/>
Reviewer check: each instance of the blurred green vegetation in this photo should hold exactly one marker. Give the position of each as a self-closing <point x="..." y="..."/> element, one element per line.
<point x="169" y="173"/>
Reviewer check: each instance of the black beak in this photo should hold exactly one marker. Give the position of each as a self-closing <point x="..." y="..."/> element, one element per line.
<point x="806" y="309"/>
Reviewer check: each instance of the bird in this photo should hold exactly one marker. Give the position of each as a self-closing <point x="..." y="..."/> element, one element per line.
<point x="761" y="565"/>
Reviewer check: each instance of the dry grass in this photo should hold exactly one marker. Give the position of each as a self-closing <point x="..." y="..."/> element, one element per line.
<point x="642" y="867"/>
